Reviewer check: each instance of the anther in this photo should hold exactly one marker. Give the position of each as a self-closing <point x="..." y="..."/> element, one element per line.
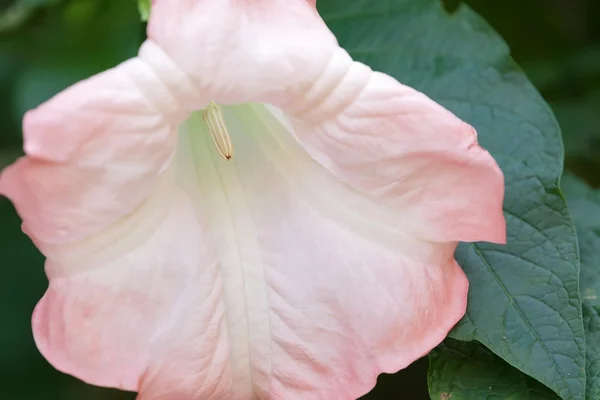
<point x="218" y="130"/>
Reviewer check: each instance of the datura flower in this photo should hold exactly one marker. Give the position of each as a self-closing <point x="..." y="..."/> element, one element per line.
<point x="244" y="212"/>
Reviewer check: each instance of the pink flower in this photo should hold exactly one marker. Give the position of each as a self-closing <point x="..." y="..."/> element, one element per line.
<point x="316" y="258"/>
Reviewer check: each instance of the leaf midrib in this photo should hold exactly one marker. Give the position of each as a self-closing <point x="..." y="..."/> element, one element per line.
<point x="521" y="314"/>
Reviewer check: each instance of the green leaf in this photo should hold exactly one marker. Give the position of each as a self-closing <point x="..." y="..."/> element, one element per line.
<point x="524" y="301"/>
<point x="461" y="370"/>
<point x="469" y="371"/>
<point x="585" y="205"/>
<point x="144" y="6"/>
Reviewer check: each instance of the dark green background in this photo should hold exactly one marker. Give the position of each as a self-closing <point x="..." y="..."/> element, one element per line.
<point x="46" y="45"/>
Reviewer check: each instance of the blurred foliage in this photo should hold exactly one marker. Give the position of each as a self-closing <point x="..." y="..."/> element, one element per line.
<point x="557" y="43"/>
<point x="144" y="7"/>
<point x="46" y="45"/>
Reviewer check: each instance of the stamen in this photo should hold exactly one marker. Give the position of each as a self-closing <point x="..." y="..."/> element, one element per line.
<point x="218" y="130"/>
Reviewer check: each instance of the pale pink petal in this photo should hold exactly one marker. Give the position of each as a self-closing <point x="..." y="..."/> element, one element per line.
<point x="145" y="307"/>
<point x="269" y="51"/>
<point x="94" y="153"/>
<point x="406" y="151"/>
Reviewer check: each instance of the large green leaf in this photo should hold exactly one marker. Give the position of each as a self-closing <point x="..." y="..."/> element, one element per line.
<point x="585" y="205"/>
<point x="469" y="371"/>
<point x="462" y="370"/>
<point x="524" y="301"/>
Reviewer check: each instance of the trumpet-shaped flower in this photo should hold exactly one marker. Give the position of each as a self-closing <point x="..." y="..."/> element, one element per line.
<point x="244" y="212"/>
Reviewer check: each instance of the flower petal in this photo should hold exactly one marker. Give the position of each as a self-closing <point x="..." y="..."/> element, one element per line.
<point x="406" y="151"/>
<point x="141" y="302"/>
<point x="94" y="153"/>
<point x="283" y="46"/>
